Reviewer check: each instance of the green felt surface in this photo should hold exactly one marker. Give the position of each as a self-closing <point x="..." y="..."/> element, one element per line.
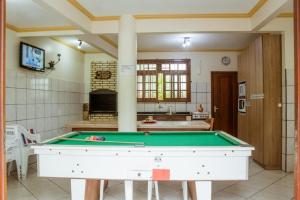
<point x="208" y="138"/>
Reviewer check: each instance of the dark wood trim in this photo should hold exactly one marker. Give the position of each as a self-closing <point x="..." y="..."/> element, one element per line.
<point x="297" y="91"/>
<point x="3" y="187"/>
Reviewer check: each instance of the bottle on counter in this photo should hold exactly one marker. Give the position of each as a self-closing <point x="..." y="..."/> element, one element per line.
<point x="200" y="108"/>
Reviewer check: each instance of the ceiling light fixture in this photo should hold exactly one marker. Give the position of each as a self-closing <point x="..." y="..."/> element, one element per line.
<point x="79" y="44"/>
<point x="186" y="42"/>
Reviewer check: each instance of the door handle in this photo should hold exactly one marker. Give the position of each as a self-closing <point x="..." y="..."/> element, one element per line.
<point x="215" y="109"/>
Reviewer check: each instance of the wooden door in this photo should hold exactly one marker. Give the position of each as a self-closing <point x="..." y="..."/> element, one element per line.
<point x="224" y="101"/>
<point x="3" y="193"/>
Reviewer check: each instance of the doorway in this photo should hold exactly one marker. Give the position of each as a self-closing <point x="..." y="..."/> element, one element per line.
<point x="224" y="90"/>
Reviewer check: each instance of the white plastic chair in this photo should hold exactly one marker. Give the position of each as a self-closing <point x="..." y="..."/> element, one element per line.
<point x="24" y="150"/>
<point x="12" y="151"/>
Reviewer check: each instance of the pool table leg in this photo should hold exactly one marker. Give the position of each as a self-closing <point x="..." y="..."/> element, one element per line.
<point x="128" y="190"/>
<point x="203" y="190"/>
<point x="77" y="189"/>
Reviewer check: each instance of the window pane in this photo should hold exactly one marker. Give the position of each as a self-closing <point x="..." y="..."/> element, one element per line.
<point x="160" y="87"/>
<point x="153" y="94"/>
<point x="174" y="66"/>
<point x="153" y="86"/>
<point x="168" y="78"/>
<point x="183" y="86"/>
<point x="175" y="86"/>
<point x="182" y="67"/>
<point x="147" y="78"/>
<point x="145" y="67"/>
<point x="168" y="94"/>
<point x="140" y="94"/>
<point x="175" y="78"/>
<point x="152" y="66"/>
<point x="183" y="94"/>
<point x="137" y="67"/>
<point x="147" y="86"/>
<point x="168" y="86"/>
<point x="183" y="78"/>
<point x="147" y="94"/>
<point x="140" y="79"/>
<point x="140" y="86"/>
<point x="165" y="67"/>
<point x="153" y="78"/>
<point x="175" y="94"/>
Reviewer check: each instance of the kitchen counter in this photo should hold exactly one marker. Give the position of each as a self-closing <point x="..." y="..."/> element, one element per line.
<point x="158" y="126"/>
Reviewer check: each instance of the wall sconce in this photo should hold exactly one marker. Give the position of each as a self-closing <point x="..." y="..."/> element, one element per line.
<point x="186" y="42"/>
<point x="52" y="63"/>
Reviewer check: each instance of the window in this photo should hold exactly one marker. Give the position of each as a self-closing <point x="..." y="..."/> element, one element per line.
<point x="163" y="80"/>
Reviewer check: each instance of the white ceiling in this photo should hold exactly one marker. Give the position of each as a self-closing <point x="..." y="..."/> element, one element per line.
<point x="288" y="7"/>
<point x="119" y="7"/>
<point x="73" y="42"/>
<point x="199" y="41"/>
<point x="26" y="13"/>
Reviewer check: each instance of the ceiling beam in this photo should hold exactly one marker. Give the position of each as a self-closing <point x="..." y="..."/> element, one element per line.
<point x="99" y="43"/>
<point x="69" y="12"/>
<point x="177" y="25"/>
<point x="266" y="13"/>
<point x="78" y="19"/>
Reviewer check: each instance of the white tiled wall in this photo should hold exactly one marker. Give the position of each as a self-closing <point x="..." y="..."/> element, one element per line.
<point x="41" y="103"/>
<point x="288" y="123"/>
<point x="200" y="94"/>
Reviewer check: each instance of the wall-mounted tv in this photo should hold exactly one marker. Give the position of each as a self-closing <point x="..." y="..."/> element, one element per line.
<point x="32" y="57"/>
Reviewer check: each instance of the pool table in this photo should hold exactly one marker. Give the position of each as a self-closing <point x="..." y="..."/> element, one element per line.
<point x="202" y="156"/>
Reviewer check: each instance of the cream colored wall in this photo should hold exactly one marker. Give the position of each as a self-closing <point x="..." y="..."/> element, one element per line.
<point x="43" y="101"/>
<point x="70" y="68"/>
<point x="285" y="26"/>
<point x="202" y="63"/>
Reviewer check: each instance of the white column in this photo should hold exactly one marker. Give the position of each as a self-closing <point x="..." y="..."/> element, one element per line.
<point x="127" y="54"/>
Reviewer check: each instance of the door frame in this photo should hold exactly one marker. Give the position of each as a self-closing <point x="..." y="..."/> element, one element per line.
<point x="235" y="73"/>
<point x="3" y="186"/>
<point x="297" y="95"/>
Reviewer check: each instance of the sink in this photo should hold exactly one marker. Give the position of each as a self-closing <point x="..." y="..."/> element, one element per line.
<point x="163" y="113"/>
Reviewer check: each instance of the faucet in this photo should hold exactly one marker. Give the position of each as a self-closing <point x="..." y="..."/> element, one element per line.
<point x="170" y="110"/>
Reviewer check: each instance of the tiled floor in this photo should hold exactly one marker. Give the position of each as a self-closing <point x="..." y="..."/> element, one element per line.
<point x="262" y="185"/>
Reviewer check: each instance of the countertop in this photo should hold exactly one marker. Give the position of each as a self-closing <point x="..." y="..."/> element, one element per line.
<point x="159" y="125"/>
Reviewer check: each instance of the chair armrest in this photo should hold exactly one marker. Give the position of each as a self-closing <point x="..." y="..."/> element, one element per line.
<point x="34" y="137"/>
<point x="27" y="135"/>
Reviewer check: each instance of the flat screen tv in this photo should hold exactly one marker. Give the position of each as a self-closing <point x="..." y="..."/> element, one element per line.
<point x="32" y="57"/>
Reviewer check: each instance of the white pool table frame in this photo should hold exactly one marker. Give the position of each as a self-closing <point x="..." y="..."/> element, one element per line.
<point x="130" y="163"/>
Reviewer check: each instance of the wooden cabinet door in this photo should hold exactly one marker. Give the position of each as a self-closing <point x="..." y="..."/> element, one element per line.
<point x="256" y="128"/>
<point x="272" y="101"/>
